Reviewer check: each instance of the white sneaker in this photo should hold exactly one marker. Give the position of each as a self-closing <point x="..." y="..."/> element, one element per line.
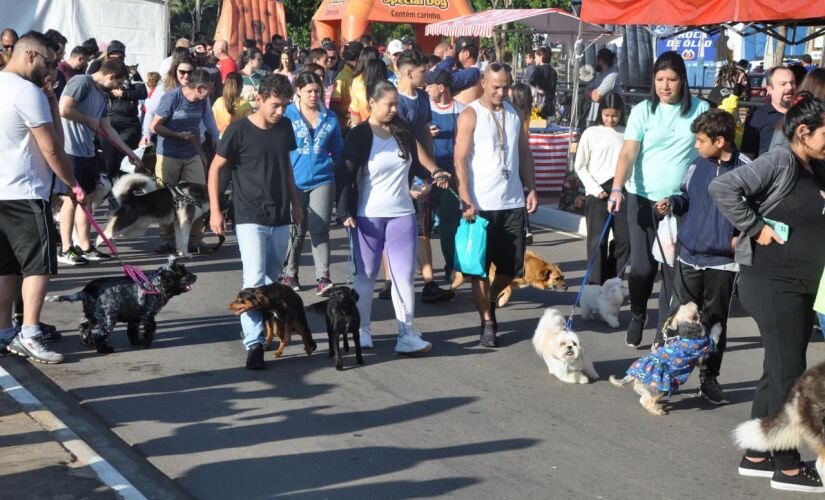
<point x="412" y="343"/>
<point x="35" y="349"/>
<point x="365" y="338"/>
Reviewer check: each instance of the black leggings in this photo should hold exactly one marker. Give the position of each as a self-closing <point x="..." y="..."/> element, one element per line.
<point x="783" y="311"/>
<point x="606" y="264"/>
<point x="642" y="227"/>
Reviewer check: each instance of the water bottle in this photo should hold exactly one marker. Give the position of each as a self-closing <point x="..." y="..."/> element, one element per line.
<point x="418" y="185"/>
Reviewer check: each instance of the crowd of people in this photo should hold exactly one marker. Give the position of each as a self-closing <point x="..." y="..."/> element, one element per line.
<point x="390" y="142"/>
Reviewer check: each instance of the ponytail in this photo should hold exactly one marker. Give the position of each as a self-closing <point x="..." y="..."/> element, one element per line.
<point x="805" y="110"/>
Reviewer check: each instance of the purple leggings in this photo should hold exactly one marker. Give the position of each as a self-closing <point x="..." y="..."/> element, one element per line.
<point x="398" y="236"/>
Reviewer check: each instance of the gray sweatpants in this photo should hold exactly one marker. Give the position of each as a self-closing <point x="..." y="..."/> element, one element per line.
<point x="316" y="205"/>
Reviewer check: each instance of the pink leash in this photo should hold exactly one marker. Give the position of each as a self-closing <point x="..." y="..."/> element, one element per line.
<point x="138" y="276"/>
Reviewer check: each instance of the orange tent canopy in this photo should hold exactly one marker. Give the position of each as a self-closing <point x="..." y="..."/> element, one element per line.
<point x="349" y="19"/>
<point x="698" y="12"/>
<point x="257" y="20"/>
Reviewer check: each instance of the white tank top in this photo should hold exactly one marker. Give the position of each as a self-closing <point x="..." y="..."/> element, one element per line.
<point x="494" y="160"/>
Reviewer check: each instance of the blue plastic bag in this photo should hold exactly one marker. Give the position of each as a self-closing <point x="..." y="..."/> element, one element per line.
<point x="471" y="247"/>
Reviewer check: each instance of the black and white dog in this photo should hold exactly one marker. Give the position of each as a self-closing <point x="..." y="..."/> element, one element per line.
<point x="141" y="203"/>
<point x="109" y="300"/>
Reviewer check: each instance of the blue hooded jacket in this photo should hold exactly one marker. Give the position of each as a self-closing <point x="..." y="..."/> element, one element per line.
<point x="318" y="150"/>
<point x="704" y="233"/>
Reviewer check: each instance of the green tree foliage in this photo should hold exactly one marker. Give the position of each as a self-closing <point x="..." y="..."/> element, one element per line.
<point x="184" y="13"/>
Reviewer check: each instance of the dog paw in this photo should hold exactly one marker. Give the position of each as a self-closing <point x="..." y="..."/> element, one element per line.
<point x="340" y="368"/>
<point x="657" y="411"/>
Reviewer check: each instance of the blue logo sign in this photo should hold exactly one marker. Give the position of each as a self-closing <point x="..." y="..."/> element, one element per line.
<point x="691" y="45"/>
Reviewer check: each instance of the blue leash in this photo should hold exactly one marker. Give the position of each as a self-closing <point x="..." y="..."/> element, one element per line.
<point x="569" y="325"/>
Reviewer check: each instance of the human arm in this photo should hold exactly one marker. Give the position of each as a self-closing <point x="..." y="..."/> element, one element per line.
<point x="216" y="219"/>
<point x="69" y="111"/>
<point x="582" y="165"/>
<point x="527" y="173"/>
<point x="135" y="91"/>
<point x="607" y="85"/>
<point x="627" y="157"/>
<point x="51" y="147"/>
<point x="679" y="203"/>
<point x="209" y="122"/>
<point x="113" y="137"/>
<point x="465" y="126"/>
<point x="346" y="173"/>
<point x="54" y="110"/>
<point x="160" y="129"/>
<point x="336" y="143"/>
<point x="294" y="202"/>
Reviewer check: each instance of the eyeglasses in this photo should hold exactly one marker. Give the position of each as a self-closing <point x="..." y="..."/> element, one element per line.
<point x="8" y="47"/>
<point x="496" y="67"/>
<point x="49" y="63"/>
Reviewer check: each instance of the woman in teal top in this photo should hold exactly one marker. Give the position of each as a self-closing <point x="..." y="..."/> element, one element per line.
<point x="658" y="149"/>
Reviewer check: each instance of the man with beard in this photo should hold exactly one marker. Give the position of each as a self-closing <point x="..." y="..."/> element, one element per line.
<point x="76" y="64"/>
<point x="32" y="154"/>
<point x="759" y="129"/>
<point x="8" y="39"/>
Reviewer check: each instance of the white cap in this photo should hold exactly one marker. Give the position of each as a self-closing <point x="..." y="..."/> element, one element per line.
<point x="395" y="46"/>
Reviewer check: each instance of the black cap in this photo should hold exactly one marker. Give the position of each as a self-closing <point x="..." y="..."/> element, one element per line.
<point x="407" y="40"/>
<point x="439" y="76"/>
<point x="116" y="46"/>
<point x="463" y="42"/>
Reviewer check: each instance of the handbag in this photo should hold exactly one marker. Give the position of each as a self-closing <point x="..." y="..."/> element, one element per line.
<point x="819" y="303"/>
<point x="471" y="247"/>
<point x="666" y="236"/>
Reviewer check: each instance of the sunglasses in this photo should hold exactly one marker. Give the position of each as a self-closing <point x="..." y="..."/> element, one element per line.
<point x="49" y="64"/>
<point x="185" y="71"/>
<point x="8" y="47"/>
<point x="496" y="67"/>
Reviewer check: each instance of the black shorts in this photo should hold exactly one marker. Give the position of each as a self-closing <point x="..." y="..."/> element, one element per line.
<point x="424" y="215"/>
<point x="27" y="238"/>
<point x="86" y="171"/>
<point x="505" y="240"/>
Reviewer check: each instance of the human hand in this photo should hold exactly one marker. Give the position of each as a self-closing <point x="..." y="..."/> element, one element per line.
<point x="136" y="161"/>
<point x="531" y="202"/>
<point x="434" y="130"/>
<point x="93" y="123"/>
<point x="615" y="202"/>
<point x="297" y="215"/>
<point x="144" y="142"/>
<point x="595" y="96"/>
<point x="603" y="195"/>
<point x="185" y="136"/>
<point x="349" y="222"/>
<point x="663" y="206"/>
<point x="217" y="222"/>
<point x="117" y="93"/>
<point x="77" y="194"/>
<point x="733" y="244"/>
<point x="442" y="179"/>
<point x="767" y="236"/>
<point x="469" y="213"/>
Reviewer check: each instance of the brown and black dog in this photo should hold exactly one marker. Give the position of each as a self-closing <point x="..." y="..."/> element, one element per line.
<point x="538" y="273"/>
<point x="283" y="313"/>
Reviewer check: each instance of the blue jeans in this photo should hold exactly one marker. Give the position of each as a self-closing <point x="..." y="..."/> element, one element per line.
<point x="263" y="250"/>
<point x="821" y="318"/>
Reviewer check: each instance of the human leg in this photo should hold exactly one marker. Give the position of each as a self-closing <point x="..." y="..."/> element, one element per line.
<point x="168" y="171"/>
<point x="641" y="232"/>
<point x="192" y="170"/>
<point x="595" y="217"/>
<point x="299" y="234"/>
<point x="253" y="243"/>
<point x="622" y="240"/>
<point x="320" y="217"/>
<point x="449" y="216"/>
<point x="368" y="247"/>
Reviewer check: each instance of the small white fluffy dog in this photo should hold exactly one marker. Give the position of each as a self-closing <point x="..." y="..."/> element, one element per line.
<point x="562" y="350"/>
<point x="604" y="300"/>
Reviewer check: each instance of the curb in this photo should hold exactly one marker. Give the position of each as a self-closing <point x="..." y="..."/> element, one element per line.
<point x="67" y="438"/>
<point x="559" y="219"/>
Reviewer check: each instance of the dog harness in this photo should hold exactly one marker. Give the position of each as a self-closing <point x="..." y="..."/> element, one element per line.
<point x="182" y="199"/>
<point x="671" y="365"/>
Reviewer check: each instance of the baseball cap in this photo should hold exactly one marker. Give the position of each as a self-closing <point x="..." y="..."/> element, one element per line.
<point x="407" y="40"/>
<point x="464" y="42"/>
<point x="395" y="47"/>
<point x="439" y="76"/>
<point x="115" y="46"/>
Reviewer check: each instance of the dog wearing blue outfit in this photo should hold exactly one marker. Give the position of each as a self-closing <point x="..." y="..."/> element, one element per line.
<point x="657" y="374"/>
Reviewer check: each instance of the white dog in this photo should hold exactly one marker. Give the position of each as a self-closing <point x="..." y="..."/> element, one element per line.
<point x="562" y="350"/>
<point x="606" y="300"/>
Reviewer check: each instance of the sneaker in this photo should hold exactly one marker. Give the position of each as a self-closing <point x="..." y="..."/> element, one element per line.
<point x="633" y="337"/>
<point x="386" y="292"/>
<point x="199" y="248"/>
<point x="434" y="293"/>
<point x="33" y="348"/>
<point x="756" y="469"/>
<point x="71" y="257"/>
<point x="365" y="338"/>
<point x="488" y="334"/>
<point x="49" y="332"/>
<point x="93" y="254"/>
<point x="411" y="343"/>
<point x="255" y="358"/>
<point x="807" y="480"/>
<point x="292" y="282"/>
<point x="166" y="248"/>
<point x="324" y="286"/>
<point x="710" y="389"/>
<point x="4" y="347"/>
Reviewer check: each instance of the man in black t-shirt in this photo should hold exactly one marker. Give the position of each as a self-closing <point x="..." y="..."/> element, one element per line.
<point x="256" y="150"/>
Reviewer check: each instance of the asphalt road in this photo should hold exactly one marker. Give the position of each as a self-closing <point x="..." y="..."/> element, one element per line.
<point x="463" y="422"/>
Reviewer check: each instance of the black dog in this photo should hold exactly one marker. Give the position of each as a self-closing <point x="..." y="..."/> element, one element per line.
<point x="342" y="317"/>
<point x="109" y="300"/>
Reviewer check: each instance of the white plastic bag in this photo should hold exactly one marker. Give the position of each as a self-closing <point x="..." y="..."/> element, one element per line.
<point x="126" y="166"/>
<point x="667" y="236"/>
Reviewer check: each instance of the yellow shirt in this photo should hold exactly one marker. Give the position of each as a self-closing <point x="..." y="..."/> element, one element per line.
<point x="342" y="85"/>
<point x="359" y="106"/>
<point x="222" y="116"/>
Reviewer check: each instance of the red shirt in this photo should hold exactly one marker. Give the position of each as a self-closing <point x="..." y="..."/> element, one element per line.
<point x="227" y="66"/>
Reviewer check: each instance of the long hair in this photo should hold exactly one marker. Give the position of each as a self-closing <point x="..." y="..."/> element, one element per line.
<point x="375" y="72"/>
<point x="367" y="54"/>
<point x="814" y="82"/>
<point x="612" y="100"/>
<point x="290" y="65"/>
<point x="232" y="92"/>
<point x="523" y="100"/>
<point x="180" y="55"/>
<point x="399" y="130"/>
<point x="806" y="110"/>
<point x="674" y="62"/>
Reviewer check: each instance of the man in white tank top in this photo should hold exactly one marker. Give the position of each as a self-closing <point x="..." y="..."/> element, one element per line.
<point x="494" y="168"/>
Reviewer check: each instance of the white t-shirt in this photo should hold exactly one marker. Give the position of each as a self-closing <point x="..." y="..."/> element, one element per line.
<point x="597" y="155"/>
<point x="24" y="173"/>
<point x="384" y="184"/>
<point x="489" y="161"/>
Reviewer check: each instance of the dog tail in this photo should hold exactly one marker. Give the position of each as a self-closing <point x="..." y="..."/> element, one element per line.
<point x="129" y="185"/>
<point x="619" y="382"/>
<point x="784" y="431"/>
<point x="75" y="297"/>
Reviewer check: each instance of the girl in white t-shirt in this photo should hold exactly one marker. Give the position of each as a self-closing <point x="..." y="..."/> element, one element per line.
<point x="596" y="158"/>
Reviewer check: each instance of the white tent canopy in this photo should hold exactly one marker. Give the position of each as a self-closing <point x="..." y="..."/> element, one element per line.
<point x="142" y="25"/>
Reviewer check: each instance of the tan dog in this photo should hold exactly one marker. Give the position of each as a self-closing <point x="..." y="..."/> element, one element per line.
<point x="538" y="273"/>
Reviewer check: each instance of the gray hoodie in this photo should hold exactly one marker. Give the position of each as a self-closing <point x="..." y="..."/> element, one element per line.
<point x="750" y="192"/>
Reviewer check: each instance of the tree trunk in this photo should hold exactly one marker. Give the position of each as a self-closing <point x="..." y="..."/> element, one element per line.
<point x="197" y="16"/>
<point x="822" y="54"/>
<point x="779" y="53"/>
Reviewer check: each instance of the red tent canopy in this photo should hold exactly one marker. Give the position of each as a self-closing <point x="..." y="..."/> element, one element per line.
<point x="551" y="21"/>
<point x="698" y="12"/>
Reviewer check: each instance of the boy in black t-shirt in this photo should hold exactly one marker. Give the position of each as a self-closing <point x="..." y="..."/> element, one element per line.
<point x="256" y="151"/>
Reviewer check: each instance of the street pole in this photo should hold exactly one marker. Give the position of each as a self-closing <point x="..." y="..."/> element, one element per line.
<point x="197" y="15"/>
